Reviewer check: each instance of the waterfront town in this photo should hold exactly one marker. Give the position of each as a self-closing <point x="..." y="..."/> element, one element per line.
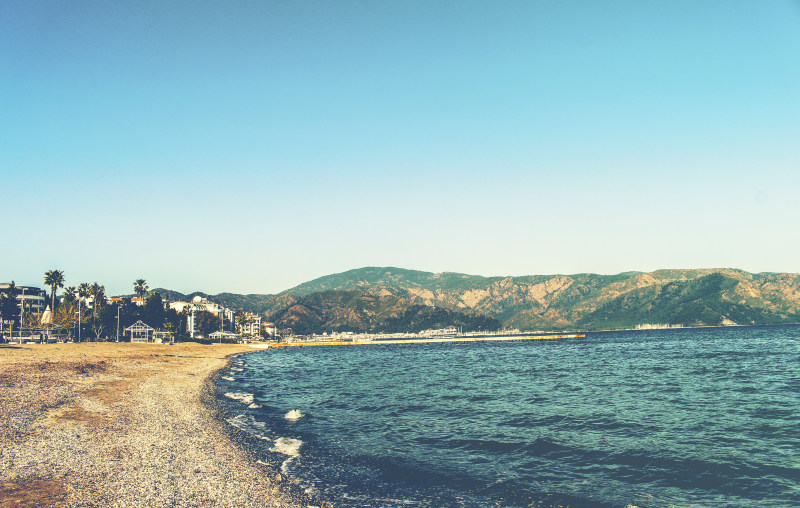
<point x="86" y="313"/>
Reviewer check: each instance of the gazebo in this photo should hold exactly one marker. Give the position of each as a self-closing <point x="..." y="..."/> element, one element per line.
<point x="140" y="331"/>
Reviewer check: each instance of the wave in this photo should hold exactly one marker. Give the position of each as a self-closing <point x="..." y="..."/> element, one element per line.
<point x="249" y="425"/>
<point x="294" y="415"/>
<point x="287" y="446"/>
<point x="245" y="398"/>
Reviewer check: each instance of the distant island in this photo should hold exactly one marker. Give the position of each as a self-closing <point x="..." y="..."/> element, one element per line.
<point x="387" y="299"/>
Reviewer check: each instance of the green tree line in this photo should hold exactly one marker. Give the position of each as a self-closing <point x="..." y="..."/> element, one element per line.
<point x="104" y="320"/>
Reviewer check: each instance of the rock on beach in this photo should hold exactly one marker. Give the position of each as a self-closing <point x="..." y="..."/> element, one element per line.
<point x="119" y="424"/>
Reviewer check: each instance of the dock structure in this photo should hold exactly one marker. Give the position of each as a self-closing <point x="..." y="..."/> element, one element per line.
<point x="429" y="341"/>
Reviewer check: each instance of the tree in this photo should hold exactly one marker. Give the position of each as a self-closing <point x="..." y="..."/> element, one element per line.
<point x="241" y="321"/>
<point x="28" y="318"/>
<point x="83" y="294"/>
<point x="140" y="288"/>
<point x="154" y="313"/>
<point x="8" y="304"/>
<point x="69" y="295"/>
<point x="175" y="322"/>
<point x="105" y="321"/>
<point x="129" y="313"/>
<point x="205" y="323"/>
<point x="83" y="291"/>
<point x="98" y="294"/>
<point x="54" y="279"/>
<point x="66" y="316"/>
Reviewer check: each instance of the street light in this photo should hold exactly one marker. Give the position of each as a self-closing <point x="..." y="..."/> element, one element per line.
<point x="21" y="314"/>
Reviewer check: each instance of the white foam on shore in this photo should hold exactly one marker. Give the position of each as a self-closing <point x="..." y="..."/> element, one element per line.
<point x="228" y="378"/>
<point x="245" y="398"/>
<point x="287" y="446"/>
<point x="294" y="415"/>
<point x="250" y="425"/>
<point x="238" y="422"/>
<point x="236" y="369"/>
<point x="254" y="406"/>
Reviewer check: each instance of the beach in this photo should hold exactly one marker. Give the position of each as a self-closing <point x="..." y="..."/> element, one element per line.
<point x="120" y="424"/>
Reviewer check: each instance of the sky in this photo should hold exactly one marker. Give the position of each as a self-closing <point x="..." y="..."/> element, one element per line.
<point x="249" y="146"/>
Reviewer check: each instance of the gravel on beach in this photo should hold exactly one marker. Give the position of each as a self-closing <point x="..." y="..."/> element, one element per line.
<point x="119" y="424"/>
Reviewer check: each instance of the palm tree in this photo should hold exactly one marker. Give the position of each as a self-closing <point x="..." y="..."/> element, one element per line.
<point x="83" y="290"/>
<point x="69" y="294"/>
<point x="54" y="279"/>
<point x="98" y="293"/>
<point x="140" y="288"/>
<point x="83" y="293"/>
<point x="241" y="320"/>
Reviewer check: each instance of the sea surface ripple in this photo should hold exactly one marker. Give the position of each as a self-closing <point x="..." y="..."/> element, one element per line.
<point x="709" y="417"/>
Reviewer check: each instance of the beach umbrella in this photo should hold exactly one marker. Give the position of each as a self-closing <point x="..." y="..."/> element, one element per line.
<point x="47" y="317"/>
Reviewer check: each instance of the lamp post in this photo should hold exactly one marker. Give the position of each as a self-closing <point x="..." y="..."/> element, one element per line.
<point x="118" y="323"/>
<point x="21" y="314"/>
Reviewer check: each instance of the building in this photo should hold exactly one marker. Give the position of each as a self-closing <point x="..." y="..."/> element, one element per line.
<point x="136" y="300"/>
<point x="251" y="325"/>
<point x="35" y="298"/>
<point x="270" y="330"/>
<point x="450" y="331"/>
<point x="199" y="304"/>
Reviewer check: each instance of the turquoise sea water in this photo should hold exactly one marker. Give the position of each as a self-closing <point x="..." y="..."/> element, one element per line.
<point x="705" y="417"/>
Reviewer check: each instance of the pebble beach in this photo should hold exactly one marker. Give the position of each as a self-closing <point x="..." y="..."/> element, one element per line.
<point x="120" y="424"/>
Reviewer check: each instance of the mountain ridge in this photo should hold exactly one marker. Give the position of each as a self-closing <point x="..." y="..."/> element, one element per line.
<point x="370" y="298"/>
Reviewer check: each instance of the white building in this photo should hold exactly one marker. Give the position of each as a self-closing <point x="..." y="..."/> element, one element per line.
<point x="199" y="304"/>
<point x="35" y="298"/>
<point x="269" y="329"/>
<point x="251" y="326"/>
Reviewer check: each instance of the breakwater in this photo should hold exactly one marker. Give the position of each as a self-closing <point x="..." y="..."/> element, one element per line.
<point x="433" y="340"/>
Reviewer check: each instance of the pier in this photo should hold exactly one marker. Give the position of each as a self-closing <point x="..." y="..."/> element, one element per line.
<point x="434" y="340"/>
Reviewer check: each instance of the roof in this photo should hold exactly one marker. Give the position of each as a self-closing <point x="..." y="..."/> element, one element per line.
<point x="139" y="326"/>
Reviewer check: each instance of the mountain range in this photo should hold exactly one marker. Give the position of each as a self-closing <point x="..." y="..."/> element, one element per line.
<point x="395" y="299"/>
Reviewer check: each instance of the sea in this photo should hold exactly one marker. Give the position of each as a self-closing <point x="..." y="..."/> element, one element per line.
<point x="651" y="418"/>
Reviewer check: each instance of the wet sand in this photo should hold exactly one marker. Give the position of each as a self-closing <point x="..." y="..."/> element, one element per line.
<point x="107" y="424"/>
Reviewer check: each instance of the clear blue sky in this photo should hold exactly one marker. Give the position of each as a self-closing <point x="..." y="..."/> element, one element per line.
<point x="248" y="146"/>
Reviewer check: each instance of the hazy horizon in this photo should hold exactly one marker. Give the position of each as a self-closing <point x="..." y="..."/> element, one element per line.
<point x="254" y="146"/>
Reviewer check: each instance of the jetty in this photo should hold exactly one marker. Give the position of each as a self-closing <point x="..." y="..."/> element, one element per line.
<point x="433" y="340"/>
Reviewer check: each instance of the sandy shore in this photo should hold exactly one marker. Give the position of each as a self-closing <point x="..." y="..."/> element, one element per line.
<point x="120" y="425"/>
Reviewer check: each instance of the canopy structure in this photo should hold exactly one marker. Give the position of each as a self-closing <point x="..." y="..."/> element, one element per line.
<point x="162" y="336"/>
<point x="140" y="331"/>
<point x="222" y="335"/>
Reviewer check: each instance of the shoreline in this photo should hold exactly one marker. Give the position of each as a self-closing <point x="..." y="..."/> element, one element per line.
<point x="100" y="424"/>
<point x="212" y="397"/>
